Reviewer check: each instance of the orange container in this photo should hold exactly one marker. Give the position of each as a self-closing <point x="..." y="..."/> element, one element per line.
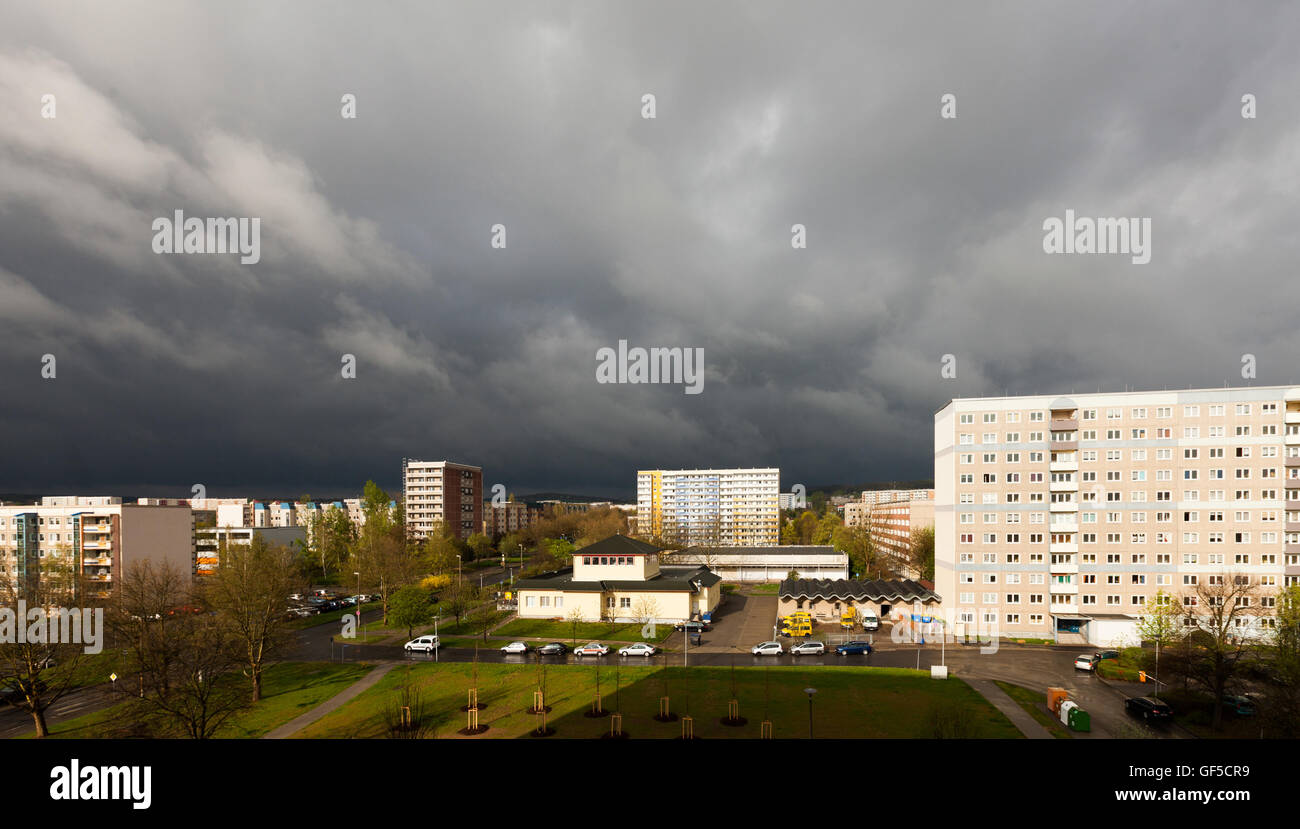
<point x="1056" y="696"/>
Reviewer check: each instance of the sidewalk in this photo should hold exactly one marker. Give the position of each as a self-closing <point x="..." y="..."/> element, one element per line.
<point x="333" y="703"/>
<point x="1019" y="717"/>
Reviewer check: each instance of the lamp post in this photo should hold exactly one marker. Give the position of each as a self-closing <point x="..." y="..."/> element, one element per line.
<point x="810" y="692"/>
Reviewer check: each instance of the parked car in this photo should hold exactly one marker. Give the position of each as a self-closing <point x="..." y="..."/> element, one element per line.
<point x="515" y="647"/>
<point x="809" y="648"/>
<point x="692" y="626"/>
<point x="1106" y="655"/>
<point x="870" y="621"/>
<point x="591" y="649"/>
<point x="553" y="649"/>
<point x="767" y="649"/>
<point x="1239" y="704"/>
<point x="1086" y="662"/>
<point x="639" y="649"/>
<point x="861" y="648"/>
<point x="428" y="644"/>
<point x="1148" y="708"/>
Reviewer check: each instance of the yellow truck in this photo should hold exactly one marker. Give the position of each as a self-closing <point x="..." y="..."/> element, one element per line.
<point x="849" y="618"/>
<point x="798" y="623"/>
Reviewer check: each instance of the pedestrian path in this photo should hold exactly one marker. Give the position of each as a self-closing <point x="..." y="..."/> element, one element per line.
<point x="332" y="704"/>
<point x="1019" y="717"/>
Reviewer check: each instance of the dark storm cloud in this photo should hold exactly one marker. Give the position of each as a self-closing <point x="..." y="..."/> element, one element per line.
<point x="924" y="234"/>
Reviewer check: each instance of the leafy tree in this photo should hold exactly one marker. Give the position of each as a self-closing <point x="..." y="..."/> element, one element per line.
<point x="1160" y="623"/>
<point x="480" y="547"/>
<point x="411" y="607"/>
<point x="1282" y="714"/>
<point x="921" y="551"/>
<point x="826" y="526"/>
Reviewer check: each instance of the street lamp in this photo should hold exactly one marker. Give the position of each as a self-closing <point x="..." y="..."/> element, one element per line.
<point x="810" y="692"/>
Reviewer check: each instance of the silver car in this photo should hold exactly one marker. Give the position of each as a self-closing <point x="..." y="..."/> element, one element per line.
<point x="767" y="649"/>
<point x="808" y="648"/>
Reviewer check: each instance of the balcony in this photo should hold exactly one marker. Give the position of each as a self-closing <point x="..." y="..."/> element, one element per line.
<point x="1064" y="445"/>
<point x="1066" y="424"/>
<point x="95" y="545"/>
<point x="1063" y="506"/>
<point x="1064" y="466"/>
<point x="1064" y="590"/>
<point x="1065" y="569"/>
<point x="103" y="561"/>
<point x="1292" y="416"/>
<point x="1291" y="462"/>
<point x="1292" y="570"/>
<point x="1293" y="526"/>
<point x="1064" y="547"/>
<point x="1071" y="608"/>
<point x="1291" y="548"/>
<point x="1063" y="486"/>
<point x="96" y="528"/>
<point x="1292" y="439"/>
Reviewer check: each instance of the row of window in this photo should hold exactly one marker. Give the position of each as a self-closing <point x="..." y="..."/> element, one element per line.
<point x="1135" y="413"/>
<point x="1138" y="579"/>
<point x="1113" y="600"/>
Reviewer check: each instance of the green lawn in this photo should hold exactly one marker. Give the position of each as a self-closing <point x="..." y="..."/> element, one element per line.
<point x="288" y="689"/>
<point x="1036" y="705"/>
<point x="765" y="589"/>
<point x="853" y="702"/>
<point x="561" y="631"/>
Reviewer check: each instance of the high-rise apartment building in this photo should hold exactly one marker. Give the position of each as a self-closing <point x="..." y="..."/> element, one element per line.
<point x="442" y="492"/>
<point x="1060" y="517"/>
<point x="722" y="507"/>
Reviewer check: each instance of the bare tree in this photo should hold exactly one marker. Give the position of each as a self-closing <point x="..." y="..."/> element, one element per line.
<point x="187" y="675"/>
<point x="1218" y="611"/>
<point x="250" y="593"/>
<point x="37" y="671"/>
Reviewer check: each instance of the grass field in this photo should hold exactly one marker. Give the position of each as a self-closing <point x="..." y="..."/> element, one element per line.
<point x="850" y="702"/>
<point x="288" y="689"/>
<point x="1035" y="705"/>
<point x="587" y="631"/>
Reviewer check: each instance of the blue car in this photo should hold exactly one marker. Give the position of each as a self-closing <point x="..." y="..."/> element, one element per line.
<point x="847" y="648"/>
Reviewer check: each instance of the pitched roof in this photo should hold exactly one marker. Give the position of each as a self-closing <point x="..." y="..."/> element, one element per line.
<point x="857" y="589"/>
<point x="618" y="545"/>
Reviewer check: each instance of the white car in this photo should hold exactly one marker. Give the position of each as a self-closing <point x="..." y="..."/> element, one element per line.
<point x="428" y="644"/>
<point x="515" y="647"/>
<point x="870" y="621"/>
<point x="811" y="648"/>
<point x="1086" y="662"/>
<point x="639" y="649"/>
<point x="767" y="649"/>
<point x="591" y="649"/>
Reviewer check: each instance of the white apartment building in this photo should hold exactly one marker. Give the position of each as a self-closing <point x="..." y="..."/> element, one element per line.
<point x="442" y="492"/>
<point x="95" y="538"/>
<point x="723" y="507"/>
<point x="1059" y="517"/>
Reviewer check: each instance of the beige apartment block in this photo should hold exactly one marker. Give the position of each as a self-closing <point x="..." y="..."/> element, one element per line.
<point x="98" y="539"/>
<point x="1060" y="516"/>
<point x="892" y="525"/>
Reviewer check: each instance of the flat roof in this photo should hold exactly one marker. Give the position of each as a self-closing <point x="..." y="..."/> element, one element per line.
<point x="779" y="549"/>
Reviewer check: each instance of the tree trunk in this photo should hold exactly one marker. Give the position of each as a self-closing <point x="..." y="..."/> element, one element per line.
<point x="257" y="682"/>
<point x="38" y="715"/>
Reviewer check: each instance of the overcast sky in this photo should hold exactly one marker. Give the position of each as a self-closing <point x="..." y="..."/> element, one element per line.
<point x="924" y="234"/>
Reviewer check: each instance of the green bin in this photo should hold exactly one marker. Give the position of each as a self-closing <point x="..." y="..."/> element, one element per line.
<point x="1079" y="720"/>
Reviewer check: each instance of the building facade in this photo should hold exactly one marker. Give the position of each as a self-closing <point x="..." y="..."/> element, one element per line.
<point x="442" y="492"/>
<point x="95" y="540"/>
<point x="1060" y="517"/>
<point x="208" y="543"/>
<point x="767" y="564"/>
<point x="892" y="525"/>
<point x="722" y="507"/>
<point x="620" y="579"/>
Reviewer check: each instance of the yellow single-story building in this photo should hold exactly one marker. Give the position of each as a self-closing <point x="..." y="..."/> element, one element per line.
<point x="620" y="579"/>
